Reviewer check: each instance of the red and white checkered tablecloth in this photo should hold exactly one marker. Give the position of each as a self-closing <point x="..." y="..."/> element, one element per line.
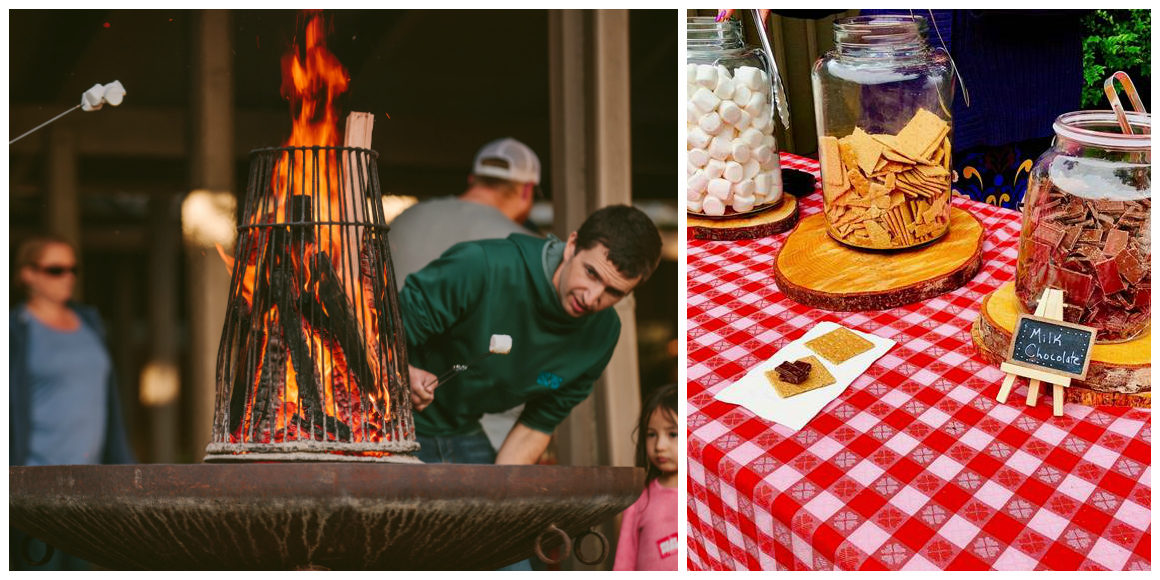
<point x="915" y="466"/>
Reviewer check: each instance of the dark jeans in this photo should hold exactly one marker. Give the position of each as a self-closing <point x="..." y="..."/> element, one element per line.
<point x="471" y="447"/>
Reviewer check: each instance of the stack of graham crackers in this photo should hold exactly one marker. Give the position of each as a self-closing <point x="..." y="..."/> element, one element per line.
<point x="888" y="191"/>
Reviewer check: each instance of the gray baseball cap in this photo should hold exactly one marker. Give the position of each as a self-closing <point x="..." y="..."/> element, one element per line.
<point x="508" y="159"/>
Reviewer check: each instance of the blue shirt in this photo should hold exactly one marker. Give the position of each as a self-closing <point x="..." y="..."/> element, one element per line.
<point x="67" y="373"/>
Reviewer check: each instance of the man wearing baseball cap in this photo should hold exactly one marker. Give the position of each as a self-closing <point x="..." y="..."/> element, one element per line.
<point x="501" y="190"/>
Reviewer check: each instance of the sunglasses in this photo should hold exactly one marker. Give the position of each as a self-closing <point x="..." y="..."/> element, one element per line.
<point x="59" y="270"/>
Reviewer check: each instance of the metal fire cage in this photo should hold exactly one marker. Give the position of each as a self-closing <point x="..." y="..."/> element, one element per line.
<point x="312" y="364"/>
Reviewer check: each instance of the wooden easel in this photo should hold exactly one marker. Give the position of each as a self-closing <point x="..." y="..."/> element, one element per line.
<point x="1051" y="307"/>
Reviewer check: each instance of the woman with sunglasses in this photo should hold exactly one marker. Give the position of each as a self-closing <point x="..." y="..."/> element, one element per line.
<point x="62" y="396"/>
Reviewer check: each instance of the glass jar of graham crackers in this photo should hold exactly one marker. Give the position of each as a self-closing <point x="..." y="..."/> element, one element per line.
<point x="882" y="99"/>
<point x="1086" y="224"/>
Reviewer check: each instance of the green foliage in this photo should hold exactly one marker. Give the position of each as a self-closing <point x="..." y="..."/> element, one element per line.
<point x="1114" y="40"/>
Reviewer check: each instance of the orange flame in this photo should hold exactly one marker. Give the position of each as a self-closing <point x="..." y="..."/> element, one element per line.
<point x="312" y="80"/>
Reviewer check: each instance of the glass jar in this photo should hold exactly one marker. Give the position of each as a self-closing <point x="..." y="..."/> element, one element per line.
<point x="1086" y="220"/>
<point x="882" y="99"/>
<point x="733" y="164"/>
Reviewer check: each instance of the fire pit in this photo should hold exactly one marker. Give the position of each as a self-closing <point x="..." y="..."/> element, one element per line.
<point x="351" y="516"/>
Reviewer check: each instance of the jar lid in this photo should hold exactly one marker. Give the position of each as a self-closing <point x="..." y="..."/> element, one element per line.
<point x="1100" y="129"/>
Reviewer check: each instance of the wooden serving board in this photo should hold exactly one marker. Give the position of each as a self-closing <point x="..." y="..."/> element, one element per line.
<point x="1119" y="374"/>
<point x="817" y="271"/>
<point x="747" y="226"/>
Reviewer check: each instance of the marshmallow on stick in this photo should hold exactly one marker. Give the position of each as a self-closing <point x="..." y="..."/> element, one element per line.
<point x="500" y="344"/>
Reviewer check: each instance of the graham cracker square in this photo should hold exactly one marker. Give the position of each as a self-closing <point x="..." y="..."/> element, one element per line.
<point x="839" y="345"/>
<point x="819" y="377"/>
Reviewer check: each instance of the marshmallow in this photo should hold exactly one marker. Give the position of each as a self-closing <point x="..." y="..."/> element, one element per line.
<point x="762" y="184"/>
<point x="692" y="113"/>
<point x="691" y="73"/>
<point x="743" y="123"/>
<point x="714" y="168"/>
<point x="690" y="168"/>
<point x="752" y="168"/>
<point x="697" y="139"/>
<point x="711" y="123"/>
<point x="762" y="153"/>
<point x="751" y="137"/>
<point x="697" y="183"/>
<point x="705" y="100"/>
<point x="743" y="203"/>
<point x="724" y="88"/>
<point x="744" y="188"/>
<point x="755" y="103"/>
<point x="713" y="206"/>
<point x="761" y="119"/>
<point x="770" y="142"/>
<point x="740" y="152"/>
<point x="719" y="188"/>
<point x="772" y="164"/>
<point x="706" y="76"/>
<point x="500" y="344"/>
<point x="94" y="98"/>
<point x="748" y="76"/>
<point x="693" y="206"/>
<point x="730" y="112"/>
<point x="723" y="73"/>
<point x="734" y="171"/>
<point x="741" y="93"/>
<point x="114" y="93"/>
<point x="698" y="157"/>
<point x="720" y="147"/>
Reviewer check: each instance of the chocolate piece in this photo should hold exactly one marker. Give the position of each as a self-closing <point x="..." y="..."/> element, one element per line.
<point x="1108" y="276"/>
<point x="1130" y="266"/>
<point x="793" y="373"/>
<point x="1049" y="234"/>
<point x="1116" y="241"/>
<point x="1092" y="236"/>
<point x="1077" y="287"/>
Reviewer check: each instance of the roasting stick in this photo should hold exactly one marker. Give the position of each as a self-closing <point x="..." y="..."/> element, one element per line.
<point x="500" y="344"/>
<point x="91" y="100"/>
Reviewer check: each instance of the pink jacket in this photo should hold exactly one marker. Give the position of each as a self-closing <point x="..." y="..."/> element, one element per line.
<point x="648" y="533"/>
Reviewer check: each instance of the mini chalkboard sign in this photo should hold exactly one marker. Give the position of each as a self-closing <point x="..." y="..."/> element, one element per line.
<point x="1053" y="346"/>
<point x="1044" y="348"/>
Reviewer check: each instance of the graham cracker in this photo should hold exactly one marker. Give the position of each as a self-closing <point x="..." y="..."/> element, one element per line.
<point x="839" y="345"/>
<point x="819" y="377"/>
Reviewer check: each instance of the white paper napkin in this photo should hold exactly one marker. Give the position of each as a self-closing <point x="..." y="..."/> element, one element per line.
<point x="755" y="393"/>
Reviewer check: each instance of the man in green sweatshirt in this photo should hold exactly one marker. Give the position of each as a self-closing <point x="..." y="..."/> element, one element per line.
<point x="552" y="297"/>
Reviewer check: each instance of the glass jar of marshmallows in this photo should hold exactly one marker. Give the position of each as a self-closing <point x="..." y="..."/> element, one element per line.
<point x="733" y="165"/>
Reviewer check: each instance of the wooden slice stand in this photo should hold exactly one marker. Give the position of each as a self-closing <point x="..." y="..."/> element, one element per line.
<point x="817" y="271"/>
<point x="747" y="226"/>
<point x="1119" y="375"/>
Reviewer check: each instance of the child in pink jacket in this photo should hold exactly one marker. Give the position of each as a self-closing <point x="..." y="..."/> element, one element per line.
<point x="648" y="532"/>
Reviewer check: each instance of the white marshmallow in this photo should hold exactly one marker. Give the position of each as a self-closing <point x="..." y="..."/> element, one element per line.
<point x="770" y="142"/>
<point x="762" y="153"/>
<point x="697" y="139"/>
<point x="711" y="123"/>
<point x="730" y="112"/>
<point x="500" y="344"/>
<point x="723" y="73"/>
<point x="698" y="157"/>
<point x="690" y="168"/>
<point x="724" y="88"/>
<point x="713" y="206"/>
<point x="755" y="103"/>
<point x="734" y="171"/>
<point x="744" y="122"/>
<point x="741" y="93"/>
<point x="691" y="73"/>
<point x="707" y="76"/>
<point x="720" y="147"/>
<point x="692" y="113"/>
<point x="705" y="100"/>
<point x="762" y="183"/>
<point x="693" y="206"/>
<point x="744" y="188"/>
<point x="698" y="182"/>
<point x="752" y="168"/>
<point x="740" y="152"/>
<point x="773" y="163"/>
<point x="748" y="76"/>
<point x="751" y="137"/>
<point x="691" y="195"/>
<point x="764" y="78"/>
<point x="714" y="168"/>
<point x="719" y="188"/>
<point x="761" y="120"/>
<point x="743" y="202"/>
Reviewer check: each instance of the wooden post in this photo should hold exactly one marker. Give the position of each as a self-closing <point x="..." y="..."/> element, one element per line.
<point x="212" y="159"/>
<point x="63" y="216"/>
<point x="160" y="380"/>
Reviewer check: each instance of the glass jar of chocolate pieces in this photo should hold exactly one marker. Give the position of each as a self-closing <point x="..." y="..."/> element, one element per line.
<point x="733" y="165"/>
<point x="1086" y="224"/>
<point x="882" y="99"/>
